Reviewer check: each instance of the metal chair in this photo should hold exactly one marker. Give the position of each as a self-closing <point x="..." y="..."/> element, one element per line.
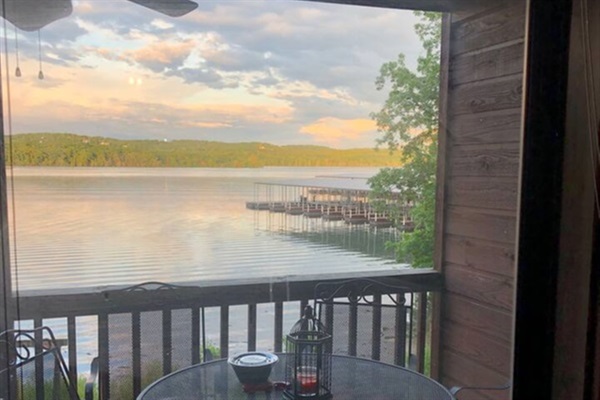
<point x="367" y="318"/>
<point x="137" y="345"/>
<point x="36" y="368"/>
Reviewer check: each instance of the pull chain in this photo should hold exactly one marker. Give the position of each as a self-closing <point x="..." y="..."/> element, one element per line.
<point x="41" y="73"/>
<point x="18" y="69"/>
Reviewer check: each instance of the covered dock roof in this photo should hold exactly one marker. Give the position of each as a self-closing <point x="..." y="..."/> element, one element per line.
<point x="348" y="183"/>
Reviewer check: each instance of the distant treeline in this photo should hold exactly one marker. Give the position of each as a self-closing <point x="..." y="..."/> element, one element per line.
<point x="68" y="150"/>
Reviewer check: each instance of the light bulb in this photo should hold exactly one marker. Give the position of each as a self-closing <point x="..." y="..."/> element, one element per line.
<point x="40" y="75"/>
<point x="18" y="72"/>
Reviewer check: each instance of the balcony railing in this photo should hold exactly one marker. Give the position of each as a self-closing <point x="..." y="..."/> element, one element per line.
<point x="163" y="326"/>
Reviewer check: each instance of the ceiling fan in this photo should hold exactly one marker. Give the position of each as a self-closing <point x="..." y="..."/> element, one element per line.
<point x="32" y="15"/>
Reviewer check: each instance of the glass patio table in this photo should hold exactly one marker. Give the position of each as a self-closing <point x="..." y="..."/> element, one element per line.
<point x="353" y="379"/>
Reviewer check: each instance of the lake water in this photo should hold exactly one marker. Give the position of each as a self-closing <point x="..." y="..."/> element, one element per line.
<point x="83" y="229"/>
<point x="87" y="228"/>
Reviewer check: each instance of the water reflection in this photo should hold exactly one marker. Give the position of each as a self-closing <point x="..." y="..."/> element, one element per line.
<point x="360" y="239"/>
<point x="85" y="229"/>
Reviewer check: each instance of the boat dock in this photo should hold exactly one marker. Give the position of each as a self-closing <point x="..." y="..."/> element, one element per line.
<point x="330" y="198"/>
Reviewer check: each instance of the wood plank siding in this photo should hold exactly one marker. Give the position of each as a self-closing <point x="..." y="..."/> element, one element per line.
<point x="481" y="152"/>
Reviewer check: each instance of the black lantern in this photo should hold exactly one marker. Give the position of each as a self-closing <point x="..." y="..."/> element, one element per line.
<point x="308" y="360"/>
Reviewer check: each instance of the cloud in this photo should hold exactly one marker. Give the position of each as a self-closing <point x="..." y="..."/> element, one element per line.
<point x="161" y="56"/>
<point x="205" y="124"/>
<point x="139" y="115"/>
<point x="334" y="131"/>
<point x="233" y="58"/>
<point x="121" y="17"/>
<point x="208" y="77"/>
<point x="276" y="71"/>
<point x="307" y="42"/>
<point x="161" y="24"/>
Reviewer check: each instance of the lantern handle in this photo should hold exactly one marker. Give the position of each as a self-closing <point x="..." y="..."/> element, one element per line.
<point x="308" y="312"/>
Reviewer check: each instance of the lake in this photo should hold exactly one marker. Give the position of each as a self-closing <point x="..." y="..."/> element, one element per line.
<point x="83" y="229"/>
<point x="87" y="228"/>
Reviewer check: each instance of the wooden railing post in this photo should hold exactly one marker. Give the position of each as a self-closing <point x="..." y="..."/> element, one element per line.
<point x="278" y="329"/>
<point x="251" y="327"/>
<point x="352" y="329"/>
<point x="136" y="353"/>
<point x="376" y="328"/>
<point x="167" y="341"/>
<point x="400" y="335"/>
<point x="72" y="346"/>
<point x="103" y="377"/>
<point x="224" y="341"/>
<point x="198" y="354"/>
<point x="421" y="330"/>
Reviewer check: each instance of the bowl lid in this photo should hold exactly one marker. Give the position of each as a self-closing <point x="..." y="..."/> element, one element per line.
<point x="254" y="359"/>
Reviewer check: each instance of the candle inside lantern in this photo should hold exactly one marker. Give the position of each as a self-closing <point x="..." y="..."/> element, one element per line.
<point x="307" y="381"/>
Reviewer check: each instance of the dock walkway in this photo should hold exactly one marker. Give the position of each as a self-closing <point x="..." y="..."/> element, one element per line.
<point x="331" y="198"/>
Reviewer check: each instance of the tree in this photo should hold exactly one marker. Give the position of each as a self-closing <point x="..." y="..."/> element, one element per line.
<point x="408" y="122"/>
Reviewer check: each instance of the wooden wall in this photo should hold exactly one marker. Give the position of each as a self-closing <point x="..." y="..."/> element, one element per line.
<point x="480" y="155"/>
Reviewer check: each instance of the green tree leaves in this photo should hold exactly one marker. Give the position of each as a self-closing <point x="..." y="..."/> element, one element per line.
<point x="408" y="122"/>
<point x="68" y="150"/>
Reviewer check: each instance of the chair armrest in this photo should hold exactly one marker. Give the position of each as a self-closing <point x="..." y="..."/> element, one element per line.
<point x="91" y="380"/>
<point x="455" y="389"/>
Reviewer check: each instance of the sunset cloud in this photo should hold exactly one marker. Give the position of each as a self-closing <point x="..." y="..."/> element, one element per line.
<point x="200" y="124"/>
<point x="333" y="131"/>
<point x="162" y="55"/>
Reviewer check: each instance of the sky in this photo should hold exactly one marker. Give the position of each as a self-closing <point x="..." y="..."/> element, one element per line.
<point x="275" y="71"/>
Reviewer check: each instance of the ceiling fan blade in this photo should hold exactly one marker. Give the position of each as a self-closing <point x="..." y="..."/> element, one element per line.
<point x="172" y="8"/>
<point x="32" y="15"/>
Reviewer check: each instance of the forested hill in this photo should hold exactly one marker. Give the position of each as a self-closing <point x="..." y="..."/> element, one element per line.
<point x="61" y="150"/>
